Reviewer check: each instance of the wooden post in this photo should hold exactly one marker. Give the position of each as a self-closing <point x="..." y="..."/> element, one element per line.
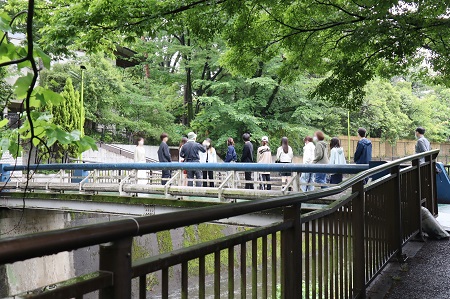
<point x="291" y="255"/>
<point x="358" y="224"/>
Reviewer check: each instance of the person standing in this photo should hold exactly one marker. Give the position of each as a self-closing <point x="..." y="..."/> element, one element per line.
<point x="422" y="145"/>
<point x="285" y="155"/>
<point x="308" y="157"/>
<point x="164" y="157"/>
<point x="190" y="153"/>
<point x="209" y="156"/>
<point x="231" y="155"/>
<point x="320" y="156"/>
<point x="363" y="153"/>
<point x="139" y="157"/>
<point x="264" y="156"/>
<point x="180" y="159"/>
<point x="337" y="157"/>
<point x="247" y="157"/>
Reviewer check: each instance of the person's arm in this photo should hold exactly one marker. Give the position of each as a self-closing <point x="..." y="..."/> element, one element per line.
<point x="258" y="156"/>
<point x="135" y="155"/>
<point x="182" y="152"/>
<point x="201" y="148"/>
<point x="245" y="153"/>
<point x="291" y="153"/>
<point x="234" y="155"/>
<point x="318" y="154"/>
<point x="229" y="155"/>
<point x="166" y="153"/>
<point x="358" y="152"/>
<point x="421" y="146"/>
<point x="332" y="157"/>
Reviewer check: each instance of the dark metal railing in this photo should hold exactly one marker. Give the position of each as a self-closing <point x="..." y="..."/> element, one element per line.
<point x="334" y="252"/>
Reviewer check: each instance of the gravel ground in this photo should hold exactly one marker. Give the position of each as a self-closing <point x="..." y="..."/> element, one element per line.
<point x="427" y="274"/>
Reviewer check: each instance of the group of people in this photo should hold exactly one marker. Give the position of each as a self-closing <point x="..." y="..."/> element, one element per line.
<point x="315" y="151"/>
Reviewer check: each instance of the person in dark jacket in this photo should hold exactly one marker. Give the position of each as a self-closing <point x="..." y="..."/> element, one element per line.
<point x="190" y="153"/>
<point x="231" y="151"/>
<point x="363" y="153"/>
<point x="247" y="157"/>
<point x="164" y="156"/>
<point x="422" y="145"/>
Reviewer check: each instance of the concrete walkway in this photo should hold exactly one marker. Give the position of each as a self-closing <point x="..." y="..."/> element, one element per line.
<point x="426" y="275"/>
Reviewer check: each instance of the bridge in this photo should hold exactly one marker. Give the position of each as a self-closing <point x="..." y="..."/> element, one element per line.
<point x="329" y="243"/>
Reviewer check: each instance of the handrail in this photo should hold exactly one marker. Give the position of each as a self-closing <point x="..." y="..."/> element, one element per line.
<point x="274" y="167"/>
<point x="29" y="246"/>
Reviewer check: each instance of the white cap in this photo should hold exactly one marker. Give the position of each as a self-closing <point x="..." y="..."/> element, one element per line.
<point x="265" y="138"/>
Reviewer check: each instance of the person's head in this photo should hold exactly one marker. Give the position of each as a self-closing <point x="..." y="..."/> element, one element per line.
<point x="335" y="142"/>
<point x="139" y="141"/>
<point x="183" y="141"/>
<point x="285" y="144"/>
<point x="318" y="136"/>
<point x="307" y="139"/>
<point x="265" y="140"/>
<point x="192" y="136"/>
<point x="420" y="132"/>
<point x="246" y="137"/>
<point x="362" y="132"/>
<point x="164" y="137"/>
<point x="230" y="141"/>
<point x="207" y="143"/>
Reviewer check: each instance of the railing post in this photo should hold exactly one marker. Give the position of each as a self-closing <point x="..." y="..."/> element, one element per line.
<point x="417" y="182"/>
<point x="115" y="257"/>
<point x="398" y="231"/>
<point x="358" y="227"/>
<point x="291" y="255"/>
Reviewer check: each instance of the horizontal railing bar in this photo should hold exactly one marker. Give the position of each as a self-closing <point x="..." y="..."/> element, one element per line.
<point x="379" y="182"/>
<point x="158" y="262"/>
<point x="333" y="207"/>
<point x="257" y="167"/>
<point x="34" y="245"/>
<point x="72" y="288"/>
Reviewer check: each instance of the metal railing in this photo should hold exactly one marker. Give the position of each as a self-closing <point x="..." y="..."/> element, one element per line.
<point x="125" y="178"/>
<point x="334" y="252"/>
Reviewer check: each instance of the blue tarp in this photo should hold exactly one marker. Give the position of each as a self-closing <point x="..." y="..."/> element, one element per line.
<point x="443" y="184"/>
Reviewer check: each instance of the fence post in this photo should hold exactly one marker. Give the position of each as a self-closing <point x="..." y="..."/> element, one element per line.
<point x="115" y="257"/>
<point x="291" y="255"/>
<point x="358" y="227"/>
<point x="398" y="231"/>
<point x="418" y="184"/>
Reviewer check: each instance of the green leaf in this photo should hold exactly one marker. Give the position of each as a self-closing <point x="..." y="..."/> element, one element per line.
<point x="22" y="85"/>
<point x="45" y="58"/>
<point x="4" y="122"/>
<point x="52" y="97"/>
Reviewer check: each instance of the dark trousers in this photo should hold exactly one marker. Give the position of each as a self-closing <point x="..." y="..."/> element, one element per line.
<point x="166" y="174"/>
<point x="198" y="175"/>
<point x="336" y="178"/>
<point x="266" y="178"/>
<point x="207" y="174"/>
<point x="248" y="177"/>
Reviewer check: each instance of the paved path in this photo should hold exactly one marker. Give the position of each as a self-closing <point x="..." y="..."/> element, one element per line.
<point x="427" y="274"/>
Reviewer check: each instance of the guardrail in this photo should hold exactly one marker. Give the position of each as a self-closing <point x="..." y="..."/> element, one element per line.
<point x="125" y="178"/>
<point x="330" y="253"/>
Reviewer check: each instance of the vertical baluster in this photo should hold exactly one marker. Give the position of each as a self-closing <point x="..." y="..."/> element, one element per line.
<point x="217" y="274"/>
<point x="307" y="259"/>
<point x="201" y="277"/>
<point x="231" y="272"/>
<point x="142" y="286"/>
<point x="319" y="256"/>
<point x="165" y="283"/>
<point x="184" y="280"/>
<point x="341" y="252"/>
<point x="243" y="271"/>
<point x="337" y="263"/>
<point x="264" y="267"/>
<point x="326" y="236"/>
<point x="332" y="262"/>
<point x="254" y="268"/>
<point x="274" y="265"/>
